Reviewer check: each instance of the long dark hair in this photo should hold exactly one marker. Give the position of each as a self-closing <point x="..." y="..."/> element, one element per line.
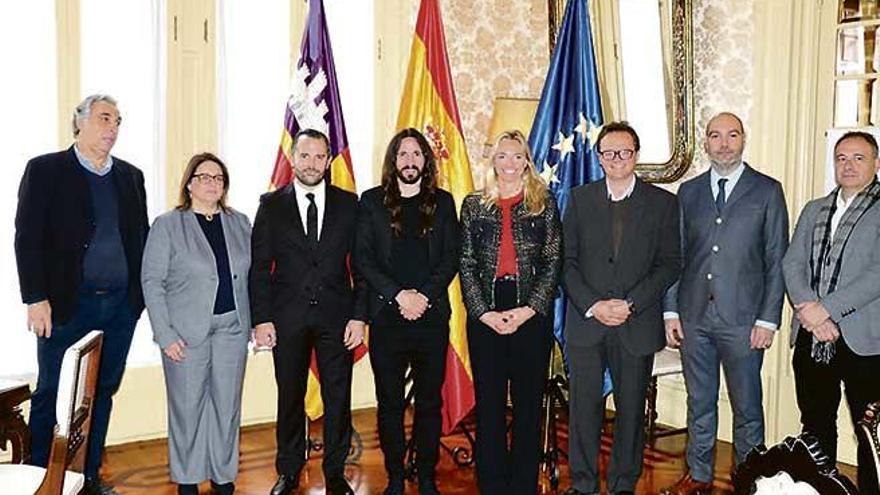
<point x="428" y="194"/>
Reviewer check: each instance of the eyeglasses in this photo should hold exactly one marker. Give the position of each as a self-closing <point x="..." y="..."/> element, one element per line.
<point x="618" y="154"/>
<point x="208" y="178"/>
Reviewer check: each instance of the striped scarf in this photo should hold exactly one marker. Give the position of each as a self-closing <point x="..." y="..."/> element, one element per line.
<point x="827" y="253"/>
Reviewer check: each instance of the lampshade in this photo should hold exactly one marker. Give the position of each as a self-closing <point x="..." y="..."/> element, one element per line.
<point x="511" y="113"/>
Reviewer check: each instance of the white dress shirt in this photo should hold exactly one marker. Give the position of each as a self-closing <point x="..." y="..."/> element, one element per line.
<point x="842" y="206"/>
<point x="302" y="202"/>
<point x="732" y="179"/>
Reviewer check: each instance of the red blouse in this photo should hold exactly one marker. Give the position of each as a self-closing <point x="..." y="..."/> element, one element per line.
<point x="506" y="250"/>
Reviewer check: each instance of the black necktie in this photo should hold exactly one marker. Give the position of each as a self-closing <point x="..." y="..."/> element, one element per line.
<point x="721" y="200"/>
<point x="312" y="221"/>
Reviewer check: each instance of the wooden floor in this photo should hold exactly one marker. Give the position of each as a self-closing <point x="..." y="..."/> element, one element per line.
<point x="141" y="468"/>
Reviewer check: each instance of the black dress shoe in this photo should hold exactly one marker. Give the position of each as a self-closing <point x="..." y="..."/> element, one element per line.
<point x="187" y="489"/>
<point x="97" y="486"/>
<point x="285" y="485"/>
<point x="338" y="486"/>
<point x="395" y="487"/>
<point x="223" y="488"/>
<point x="572" y="491"/>
<point x="427" y="486"/>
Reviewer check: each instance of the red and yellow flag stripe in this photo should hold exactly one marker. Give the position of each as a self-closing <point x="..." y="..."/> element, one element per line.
<point x="429" y="105"/>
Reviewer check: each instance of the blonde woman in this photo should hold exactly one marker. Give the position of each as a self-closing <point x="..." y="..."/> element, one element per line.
<point x="510" y="262"/>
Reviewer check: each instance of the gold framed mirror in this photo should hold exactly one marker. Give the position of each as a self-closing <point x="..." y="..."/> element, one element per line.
<point x="646" y="71"/>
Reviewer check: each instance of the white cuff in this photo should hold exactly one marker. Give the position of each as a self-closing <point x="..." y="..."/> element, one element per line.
<point x="767" y="325"/>
<point x="671" y="315"/>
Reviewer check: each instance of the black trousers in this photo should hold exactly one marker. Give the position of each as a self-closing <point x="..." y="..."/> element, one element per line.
<point x="394" y="348"/>
<point x="518" y="361"/>
<point x="630" y="374"/>
<point x="292" y="355"/>
<point x="818" y="396"/>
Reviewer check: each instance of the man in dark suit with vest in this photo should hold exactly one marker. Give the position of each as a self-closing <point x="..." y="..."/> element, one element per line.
<point x="80" y="231"/>
<point x="621" y="254"/>
<point x="726" y="307"/>
<point x="302" y="297"/>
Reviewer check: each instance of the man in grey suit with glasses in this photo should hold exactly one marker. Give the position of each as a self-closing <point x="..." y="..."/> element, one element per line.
<point x="726" y="307"/>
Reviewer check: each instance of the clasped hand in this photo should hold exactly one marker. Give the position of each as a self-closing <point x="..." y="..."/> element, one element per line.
<point x="611" y="312"/>
<point x="412" y="304"/>
<point x="507" y="322"/>
<point x="816" y="320"/>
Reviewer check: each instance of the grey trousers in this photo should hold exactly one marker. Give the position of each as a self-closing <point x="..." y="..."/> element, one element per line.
<point x="204" y="404"/>
<point x="705" y="348"/>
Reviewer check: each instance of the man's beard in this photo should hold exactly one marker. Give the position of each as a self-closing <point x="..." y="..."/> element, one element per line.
<point x="725" y="167"/>
<point x="306" y="180"/>
<point x="409" y="180"/>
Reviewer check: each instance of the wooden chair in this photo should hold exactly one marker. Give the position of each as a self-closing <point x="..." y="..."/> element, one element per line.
<point x="870" y="424"/>
<point x="800" y="457"/>
<point x="667" y="361"/>
<point x="73" y="410"/>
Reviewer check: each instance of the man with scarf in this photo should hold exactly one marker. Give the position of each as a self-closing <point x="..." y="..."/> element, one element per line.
<point x="832" y="273"/>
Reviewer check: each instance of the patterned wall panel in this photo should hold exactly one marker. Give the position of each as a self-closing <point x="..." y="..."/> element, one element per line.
<point x="723" y="65"/>
<point x="496" y="50"/>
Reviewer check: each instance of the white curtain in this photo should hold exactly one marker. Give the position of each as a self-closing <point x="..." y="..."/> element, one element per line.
<point x="123" y="55"/>
<point x="29" y="128"/>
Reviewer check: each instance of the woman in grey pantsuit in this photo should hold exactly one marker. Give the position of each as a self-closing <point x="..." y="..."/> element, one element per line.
<point x="195" y="285"/>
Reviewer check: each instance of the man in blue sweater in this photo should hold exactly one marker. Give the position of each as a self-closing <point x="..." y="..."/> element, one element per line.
<point x="80" y="231"/>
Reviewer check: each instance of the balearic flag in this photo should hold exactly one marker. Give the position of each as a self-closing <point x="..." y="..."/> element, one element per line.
<point x="314" y="103"/>
<point x="429" y="105"/>
<point x="568" y="119"/>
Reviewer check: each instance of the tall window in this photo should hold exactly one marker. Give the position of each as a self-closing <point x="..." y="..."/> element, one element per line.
<point x="257" y="46"/>
<point x="122" y="54"/>
<point x="253" y="61"/>
<point x="29" y="128"/>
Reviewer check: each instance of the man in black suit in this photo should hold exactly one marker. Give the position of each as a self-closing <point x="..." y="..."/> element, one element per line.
<point x="302" y="297"/>
<point x="406" y="249"/>
<point x="80" y="231"/>
<point x="621" y="241"/>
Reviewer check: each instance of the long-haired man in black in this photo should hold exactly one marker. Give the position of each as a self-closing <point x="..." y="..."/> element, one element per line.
<point x="406" y="248"/>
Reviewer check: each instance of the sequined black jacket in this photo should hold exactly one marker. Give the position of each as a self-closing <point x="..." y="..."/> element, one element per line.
<point x="538" y="243"/>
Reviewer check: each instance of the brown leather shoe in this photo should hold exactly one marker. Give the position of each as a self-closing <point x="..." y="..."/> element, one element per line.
<point x="688" y="486"/>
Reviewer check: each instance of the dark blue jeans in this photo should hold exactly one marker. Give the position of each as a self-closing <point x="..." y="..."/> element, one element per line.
<point x="108" y="311"/>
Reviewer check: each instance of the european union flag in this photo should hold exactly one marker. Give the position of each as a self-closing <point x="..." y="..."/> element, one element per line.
<point x="568" y="119"/>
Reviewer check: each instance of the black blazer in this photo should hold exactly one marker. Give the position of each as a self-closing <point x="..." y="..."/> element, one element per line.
<point x="649" y="262"/>
<point x="54" y="225"/>
<point x="372" y="255"/>
<point x="288" y="278"/>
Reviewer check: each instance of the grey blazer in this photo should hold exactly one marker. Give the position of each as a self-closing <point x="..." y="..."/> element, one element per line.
<point x="733" y="258"/>
<point x="855" y="305"/>
<point x="179" y="275"/>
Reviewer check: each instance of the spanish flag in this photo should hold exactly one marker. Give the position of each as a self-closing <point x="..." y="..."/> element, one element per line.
<point x="429" y="105"/>
<point x="315" y="104"/>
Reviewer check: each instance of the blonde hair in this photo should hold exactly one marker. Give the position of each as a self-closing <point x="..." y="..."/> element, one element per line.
<point x="535" y="192"/>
